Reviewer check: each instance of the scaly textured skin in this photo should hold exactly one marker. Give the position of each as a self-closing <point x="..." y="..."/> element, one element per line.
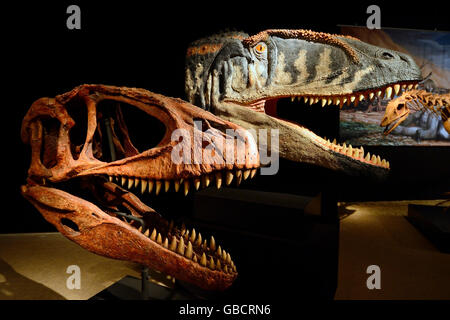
<point x="62" y="164"/>
<point x="398" y="109"/>
<point x="241" y="78"/>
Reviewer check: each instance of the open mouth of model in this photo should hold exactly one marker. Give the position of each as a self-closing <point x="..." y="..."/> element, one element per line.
<point x="284" y="108"/>
<point x="127" y="200"/>
<point x="180" y="240"/>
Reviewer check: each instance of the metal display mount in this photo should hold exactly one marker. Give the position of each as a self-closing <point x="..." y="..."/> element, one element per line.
<point x="145" y="295"/>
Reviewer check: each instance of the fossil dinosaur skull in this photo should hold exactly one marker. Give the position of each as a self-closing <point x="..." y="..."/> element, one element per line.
<point x="73" y="165"/>
<point x="396" y="112"/>
<point x="398" y="109"/>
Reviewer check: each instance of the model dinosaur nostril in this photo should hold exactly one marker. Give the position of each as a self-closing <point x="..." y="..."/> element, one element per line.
<point x="387" y="55"/>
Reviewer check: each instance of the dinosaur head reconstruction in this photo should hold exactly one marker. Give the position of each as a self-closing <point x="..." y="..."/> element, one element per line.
<point x="398" y="109"/>
<point x="83" y="150"/>
<point x="244" y="78"/>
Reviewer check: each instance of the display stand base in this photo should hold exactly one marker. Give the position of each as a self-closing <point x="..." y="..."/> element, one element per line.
<point x="130" y="288"/>
<point x="433" y="222"/>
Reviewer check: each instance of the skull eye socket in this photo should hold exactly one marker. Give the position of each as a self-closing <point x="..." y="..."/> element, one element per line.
<point x="400" y="106"/>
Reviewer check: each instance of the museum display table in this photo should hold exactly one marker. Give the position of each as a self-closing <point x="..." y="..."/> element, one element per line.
<point x="34" y="266"/>
<point x="378" y="233"/>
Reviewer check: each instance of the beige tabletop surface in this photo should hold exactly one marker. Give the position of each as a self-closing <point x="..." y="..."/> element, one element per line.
<point x="377" y="233"/>
<point x="35" y="266"/>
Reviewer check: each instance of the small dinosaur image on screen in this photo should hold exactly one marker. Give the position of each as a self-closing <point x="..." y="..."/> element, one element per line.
<point x="418" y="115"/>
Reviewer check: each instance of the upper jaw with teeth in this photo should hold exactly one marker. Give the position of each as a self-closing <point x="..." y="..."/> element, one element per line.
<point x="386" y="92"/>
<point x="220" y="178"/>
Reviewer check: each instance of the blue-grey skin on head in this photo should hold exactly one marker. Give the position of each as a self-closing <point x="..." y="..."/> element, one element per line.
<point x="241" y="78"/>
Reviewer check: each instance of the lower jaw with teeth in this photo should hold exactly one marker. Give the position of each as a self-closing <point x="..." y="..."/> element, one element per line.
<point x="142" y="237"/>
<point x="192" y="258"/>
<point x="349" y="151"/>
<point x="354" y="153"/>
<point x="178" y="251"/>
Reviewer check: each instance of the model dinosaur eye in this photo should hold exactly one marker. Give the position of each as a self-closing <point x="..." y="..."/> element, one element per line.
<point x="261" y="47"/>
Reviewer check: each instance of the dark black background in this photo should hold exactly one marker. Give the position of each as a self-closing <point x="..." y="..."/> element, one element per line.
<point x="142" y="44"/>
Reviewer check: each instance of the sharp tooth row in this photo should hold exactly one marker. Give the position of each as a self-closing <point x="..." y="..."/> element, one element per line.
<point x="189" y="238"/>
<point x="184" y="247"/>
<point x="356" y="153"/>
<point x="221" y="178"/>
<point x="146" y="185"/>
<point x="350" y="151"/>
<point x="216" y="264"/>
<point x="154" y="236"/>
<point x="356" y="97"/>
